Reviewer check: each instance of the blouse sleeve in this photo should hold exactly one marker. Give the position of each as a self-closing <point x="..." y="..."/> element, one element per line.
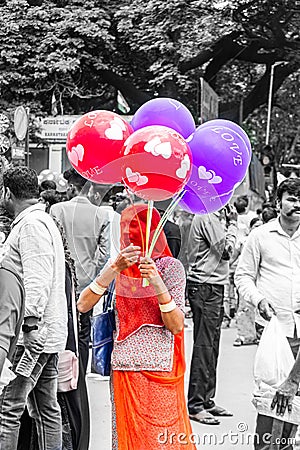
<point x="173" y="275"/>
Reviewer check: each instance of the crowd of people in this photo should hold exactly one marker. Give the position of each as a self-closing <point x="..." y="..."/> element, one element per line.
<point x="59" y="253"/>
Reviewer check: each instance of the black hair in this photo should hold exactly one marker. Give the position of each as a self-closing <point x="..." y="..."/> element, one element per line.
<point x="48" y="184"/>
<point x="241" y="203"/>
<point x="50" y="196"/>
<point x="253" y="221"/>
<point x="22" y="182"/>
<point x="73" y="177"/>
<point x="291" y="186"/>
<point x="268" y="214"/>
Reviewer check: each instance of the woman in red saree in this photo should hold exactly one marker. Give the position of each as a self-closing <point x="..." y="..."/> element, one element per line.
<point x="148" y="402"/>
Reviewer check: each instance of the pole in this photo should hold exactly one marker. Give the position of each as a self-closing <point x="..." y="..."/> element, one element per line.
<point x="277" y="63"/>
<point x="270" y="105"/>
<point x="241" y="111"/>
<point x="198" y="102"/>
<point x="27" y="139"/>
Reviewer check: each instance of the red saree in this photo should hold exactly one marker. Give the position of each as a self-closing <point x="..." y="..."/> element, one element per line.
<point x="150" y="406"/>
<point x="151" y="409"/>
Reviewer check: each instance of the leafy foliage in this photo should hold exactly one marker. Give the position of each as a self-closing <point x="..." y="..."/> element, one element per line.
<point x="84" y="51"/>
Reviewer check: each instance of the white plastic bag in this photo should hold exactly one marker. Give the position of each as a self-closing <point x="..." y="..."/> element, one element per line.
<point x="274" y="358"/>
<point x="273" y="362"/>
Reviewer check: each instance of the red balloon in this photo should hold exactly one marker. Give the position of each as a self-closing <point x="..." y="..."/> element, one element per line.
<point x="157" y="162"/>
<point x="94" y="143"/>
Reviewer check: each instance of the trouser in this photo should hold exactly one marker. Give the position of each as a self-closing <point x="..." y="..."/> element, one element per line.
<point x="39" y="391"/>
<point x="84" y="338"/>
<point x="206" y="302"/>
<point x="263" y="438"/>
<point x="264" y="424"/>
<point x="245" y="322"/>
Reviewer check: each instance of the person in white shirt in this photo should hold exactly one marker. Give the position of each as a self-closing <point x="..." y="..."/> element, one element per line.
<point x="268" y="276"/>
<point x="35" y="252"/>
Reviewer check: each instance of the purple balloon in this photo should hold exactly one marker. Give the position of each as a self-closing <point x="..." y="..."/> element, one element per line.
<point x="192" y="203"/>
<point x="233" y="126"/>
<point x="167" y="112"/>
<point x="220" y="160"/>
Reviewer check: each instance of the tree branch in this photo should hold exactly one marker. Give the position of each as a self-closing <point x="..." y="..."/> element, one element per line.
<point x="225" y="42"/>
<point x="126" y="87"/>
<point x="259" y="94"/>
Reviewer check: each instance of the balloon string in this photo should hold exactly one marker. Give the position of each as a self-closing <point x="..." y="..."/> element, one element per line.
<point x="148" y="228"/>
<point x="138" y="219"/>
<point x="164" y="219"/>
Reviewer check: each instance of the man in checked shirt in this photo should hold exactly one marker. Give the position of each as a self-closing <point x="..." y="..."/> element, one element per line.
<point x="268" y="276"/>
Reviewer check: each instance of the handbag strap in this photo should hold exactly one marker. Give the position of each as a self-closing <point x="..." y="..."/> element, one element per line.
<point x="109" y="297"/>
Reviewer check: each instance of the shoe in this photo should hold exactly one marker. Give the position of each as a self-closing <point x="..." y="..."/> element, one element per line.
<point x="219" y="411"/>
<point x="189" y="314"/>
<point x="238" y="342"/>
<point x="226" y="323"/>
<point x="205" y="418"/>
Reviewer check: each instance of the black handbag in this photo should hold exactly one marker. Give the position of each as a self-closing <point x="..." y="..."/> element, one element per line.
<point x="103" y="325"/>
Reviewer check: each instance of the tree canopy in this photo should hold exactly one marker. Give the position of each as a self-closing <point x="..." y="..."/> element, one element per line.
<point x="86" y="50"/>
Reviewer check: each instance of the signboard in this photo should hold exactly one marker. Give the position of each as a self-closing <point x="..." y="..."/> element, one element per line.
<point x="20" y="122"/>
<point x="18" y="152"/>
<point x="209" y="102"/>
<point x="54" y="129"/>
<point x="4" y="123"/>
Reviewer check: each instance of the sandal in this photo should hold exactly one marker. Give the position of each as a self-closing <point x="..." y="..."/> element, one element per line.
<point x="219" y="411"/>
<point x="205" y="418"/>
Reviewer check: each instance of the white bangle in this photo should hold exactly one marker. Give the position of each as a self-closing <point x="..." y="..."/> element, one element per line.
<point x="96" y="288"/>
<point x="168" y="307"/>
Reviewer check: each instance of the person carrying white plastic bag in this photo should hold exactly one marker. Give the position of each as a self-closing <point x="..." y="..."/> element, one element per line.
<point x="273" y="365"/>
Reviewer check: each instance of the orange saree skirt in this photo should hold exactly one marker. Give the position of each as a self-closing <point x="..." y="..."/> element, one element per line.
<point x="150" y="407"/>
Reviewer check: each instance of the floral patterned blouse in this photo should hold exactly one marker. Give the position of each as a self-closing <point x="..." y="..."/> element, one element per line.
<point x="150" y="347"/>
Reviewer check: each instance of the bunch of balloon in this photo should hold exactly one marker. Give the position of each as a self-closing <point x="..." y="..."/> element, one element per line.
<point x="157" y="159"/>
<point x="221" y="153"/>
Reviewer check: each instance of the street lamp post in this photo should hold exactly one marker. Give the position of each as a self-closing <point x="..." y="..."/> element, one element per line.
<point x="274" y="168"/>
<point x="270" y="100"/>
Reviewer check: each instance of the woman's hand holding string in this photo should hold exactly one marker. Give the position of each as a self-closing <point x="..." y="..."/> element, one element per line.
<point x="96" y="289"/>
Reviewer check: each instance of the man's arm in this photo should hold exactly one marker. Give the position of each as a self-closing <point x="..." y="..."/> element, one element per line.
<point x="248" y="269"/>
<point x="103" y="247"/>
<point x="286" y="392"/>
<point x="37" y="257"/>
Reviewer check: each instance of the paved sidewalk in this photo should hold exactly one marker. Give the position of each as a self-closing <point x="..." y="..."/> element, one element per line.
<point x="235" y="386"/>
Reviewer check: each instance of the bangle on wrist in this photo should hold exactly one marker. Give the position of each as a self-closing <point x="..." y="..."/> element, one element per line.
<point x="170" y="306"/>
<point x="166" y="303"/>
<point x="113" y="268"/>
<point x="97" y="288"/>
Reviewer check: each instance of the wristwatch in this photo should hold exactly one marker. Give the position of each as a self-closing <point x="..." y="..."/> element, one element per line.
<point x="28" y="328"/>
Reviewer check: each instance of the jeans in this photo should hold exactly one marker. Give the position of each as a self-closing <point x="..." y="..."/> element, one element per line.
<point x="206" y="302"/>
<point x="39" y="391"/>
